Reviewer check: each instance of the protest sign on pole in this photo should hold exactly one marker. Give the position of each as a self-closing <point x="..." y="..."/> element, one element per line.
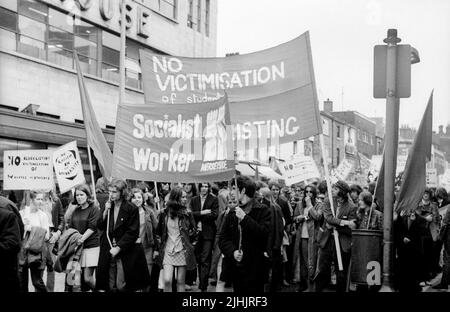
<point x="343" y="170"/>
<point x="28" y="170"/>
<point x="299" y="168"/>
<point x="174" y="143"/>
<point x="68" y="167"/>
<point x="432" y="177"/>
<point x="254" y="82"/>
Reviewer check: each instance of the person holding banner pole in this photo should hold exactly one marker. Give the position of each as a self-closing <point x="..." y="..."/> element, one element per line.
<point x="123" y="266"/>
<point x="244" y="239"/>
<point x="342" y="222"/>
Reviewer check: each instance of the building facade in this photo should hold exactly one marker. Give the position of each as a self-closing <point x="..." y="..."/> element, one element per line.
<point x="39" y="96"/>
<point x="365" y="131"/>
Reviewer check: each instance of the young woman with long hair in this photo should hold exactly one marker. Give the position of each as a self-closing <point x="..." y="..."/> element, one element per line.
<point x="176" y="233"/>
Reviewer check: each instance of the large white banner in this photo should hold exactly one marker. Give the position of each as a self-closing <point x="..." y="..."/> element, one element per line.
<point x="299" y="168"/>
<point x="27" y="170"/>
<point x="68" y="167"/>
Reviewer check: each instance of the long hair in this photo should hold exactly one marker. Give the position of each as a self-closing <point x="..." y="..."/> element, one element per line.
<point x="266" y="194"/>
<point x="121" y="186"/>
<point x="313" y="197"/>
<point x="174" y="204"/>
<point x="134" y="191"/>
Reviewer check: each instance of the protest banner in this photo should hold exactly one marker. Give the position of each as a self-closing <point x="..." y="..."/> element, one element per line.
<point x="174" y="143"/>
<point x="68" y="167"/>
<point x="375" y="165"/>
<point x="27" y="170"/>
<point x="343" y="170"/>
<point x="299" y="168"/>
<point x="444" y="180"/>
<point x="272" y="92"/>
<point x="431" y="177"/>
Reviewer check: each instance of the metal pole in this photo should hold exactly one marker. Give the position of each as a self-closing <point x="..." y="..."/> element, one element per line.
<point x="330" y="198"/>
<point x="123" y="35"/>
<point x="391" y="143"/>
<point x="92" y="173"/>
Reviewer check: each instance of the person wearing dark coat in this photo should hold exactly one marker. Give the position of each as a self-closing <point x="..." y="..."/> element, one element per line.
<point x="275" y="240"/>
<point x="5" y="203"/>
<point x="205" y="209"/>
<point x="409" y="229"/>
<point x="288" y="225"/>
<point x="343" y="221"/>
<point x="444" y="236"/>
<point x="10" y="243"/>
<point x="122" y="265"/>
<point x="243" y="239"/>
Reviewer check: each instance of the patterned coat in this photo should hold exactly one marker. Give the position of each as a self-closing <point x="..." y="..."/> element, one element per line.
<point x="188" y="232"/>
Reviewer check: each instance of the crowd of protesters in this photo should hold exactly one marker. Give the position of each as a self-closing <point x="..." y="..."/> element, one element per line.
<point x="244" y="235"/>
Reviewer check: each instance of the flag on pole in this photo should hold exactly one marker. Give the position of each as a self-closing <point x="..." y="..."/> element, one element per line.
<point x="94" y="135"/>
<point x="414" y="176"/>
<point x="379" y="187"/>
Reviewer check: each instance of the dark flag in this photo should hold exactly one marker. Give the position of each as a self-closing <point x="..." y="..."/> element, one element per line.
<point x="379" y="188"/>
<point x="94" y="134"/>
<point x="414" y="177"/>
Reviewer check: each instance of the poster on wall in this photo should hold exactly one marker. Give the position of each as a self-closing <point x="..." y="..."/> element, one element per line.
<point x="68" y="167"/>
<point x="28" y="170"/>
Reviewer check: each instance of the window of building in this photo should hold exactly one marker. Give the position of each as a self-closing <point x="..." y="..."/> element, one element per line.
<point x="60" y="20"/>
<point x="207" y="9"/>
<point x="86" y="31"/>
<point x="9" y="4"/>
<point x="7" y="40"/>
<point x="8" y="20"/>
<point x="359" y="134"/>
<point x="295" y="147"/>
<point x="60" y="46"/>
<point x="190" y="18"/>
<point x="199" y="15"/>
<point x="168" y="8"/>
<point x="110" y="56"/>
<point x="111" y="41"/>
<point x="338" y="156"/>
<point x="31" y="28"/>
<point x="338" y="131"/>
<point x="34" y="9"/>
<point x="87" y="52"/>
<point x="32" y="38"/>
<point x="110" y="64"/>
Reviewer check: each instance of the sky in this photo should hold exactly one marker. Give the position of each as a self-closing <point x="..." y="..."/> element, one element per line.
<point x="343" y="35"/>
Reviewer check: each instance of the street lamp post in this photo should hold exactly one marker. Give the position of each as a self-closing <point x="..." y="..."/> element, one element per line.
<point x="391" y="142"/>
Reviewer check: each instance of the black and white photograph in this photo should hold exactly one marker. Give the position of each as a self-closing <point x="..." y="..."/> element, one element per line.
<point x="234" y="152"/>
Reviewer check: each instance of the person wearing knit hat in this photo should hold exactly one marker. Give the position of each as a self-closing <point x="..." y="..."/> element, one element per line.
<point x="343" y="220"/>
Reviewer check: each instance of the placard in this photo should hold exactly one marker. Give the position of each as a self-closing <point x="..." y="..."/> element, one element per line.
<point x="28" y="170"/>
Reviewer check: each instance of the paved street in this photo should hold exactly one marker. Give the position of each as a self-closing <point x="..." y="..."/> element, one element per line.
<point x="59" y="285"/>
